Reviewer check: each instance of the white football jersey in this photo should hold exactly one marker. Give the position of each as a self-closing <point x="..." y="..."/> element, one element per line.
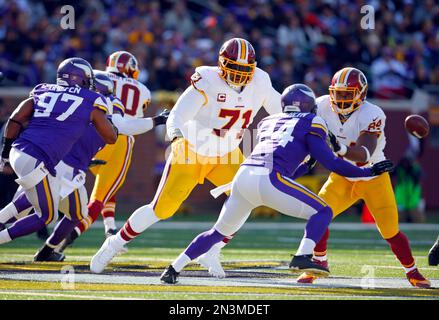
<point x="216" y="126"/>
<point x="134" y="95"/>
<point x="367" y="118"/>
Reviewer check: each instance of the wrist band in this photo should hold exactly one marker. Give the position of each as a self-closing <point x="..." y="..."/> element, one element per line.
<point x="343" y="150"/>
<point x="367" y="154"/>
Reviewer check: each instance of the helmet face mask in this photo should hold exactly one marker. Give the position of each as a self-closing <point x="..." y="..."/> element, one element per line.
<point x="237" y="62"/>
<point x="347" y="91"/>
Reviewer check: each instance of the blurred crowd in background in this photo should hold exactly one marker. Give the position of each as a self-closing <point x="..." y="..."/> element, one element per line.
<point x="295" y="41"/>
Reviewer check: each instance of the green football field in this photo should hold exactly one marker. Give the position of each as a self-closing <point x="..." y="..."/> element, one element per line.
<point x="256" y="262"/>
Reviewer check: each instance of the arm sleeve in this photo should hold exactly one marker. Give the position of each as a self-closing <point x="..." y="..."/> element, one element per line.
<point x="185" y="109"/>
<point x="320" y="151"/>
<point x="128" y="126"/>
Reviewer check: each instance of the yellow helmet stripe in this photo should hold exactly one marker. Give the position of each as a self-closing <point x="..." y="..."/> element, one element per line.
<point x="343" y="75"/>
<point x="243" y="50"/>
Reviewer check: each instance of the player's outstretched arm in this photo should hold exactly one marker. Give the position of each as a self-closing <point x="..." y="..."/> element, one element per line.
<point x="134" y="127"/>
<point x="19" y="117"/>
<point x="323" y="154"/>
<point x="105" y="128"/>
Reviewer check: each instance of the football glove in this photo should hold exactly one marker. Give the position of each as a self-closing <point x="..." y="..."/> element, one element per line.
<point x="381" y="167"/>
<point x="335" y="145"/>
<point x="96" y="162"/>
<point x="311" y="163"/>
<point x="3" y="162"/>
<point x="161" y="118"/>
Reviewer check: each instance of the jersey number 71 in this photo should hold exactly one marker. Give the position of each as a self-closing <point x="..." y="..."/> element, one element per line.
<point x="234" y="115"/>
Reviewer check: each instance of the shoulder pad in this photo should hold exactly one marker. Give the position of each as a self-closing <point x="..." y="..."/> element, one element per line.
<point x="200" y="80"/>
<point x="117" y="105"/>
<point x="102" y="103"/>
<point x="319" y="127"/>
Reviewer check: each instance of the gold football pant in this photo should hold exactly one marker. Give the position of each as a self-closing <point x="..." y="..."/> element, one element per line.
<point x="111" y="176"/>
<point x="340" y="194"/>
<point x="184" y="170"/>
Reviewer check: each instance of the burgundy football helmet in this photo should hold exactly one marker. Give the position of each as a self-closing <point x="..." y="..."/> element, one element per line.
<point x="348" y="90"/>
<point x="237" y="61"/>
<point x="124" y="63"/>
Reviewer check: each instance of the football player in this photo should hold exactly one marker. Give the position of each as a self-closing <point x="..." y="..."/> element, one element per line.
<point x="123" y="69"/>
<point x="285" y="140"/>
<point x="358" y="136"/>
<point x="206" y="127"/>
<point x="71" y="170"/>
<point x="58" y="115"/>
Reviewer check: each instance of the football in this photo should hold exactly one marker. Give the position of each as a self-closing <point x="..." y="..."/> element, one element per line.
<point x="417" y="126"/>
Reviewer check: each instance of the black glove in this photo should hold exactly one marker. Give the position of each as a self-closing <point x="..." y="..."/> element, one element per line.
<point x="381" y="167"/>
<point x="96" y="162"/>
<point x="333" y="142"/>
<point x="311" y="163"/>
<point x="161" y="118"/>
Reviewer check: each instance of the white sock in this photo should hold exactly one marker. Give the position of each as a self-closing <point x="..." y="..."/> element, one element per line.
<point x="306" y="247"/>
<point x="407" y="270"/>
<point x="78" y="231"/>
<point x="220" y="244"/>
<point x="320" y="258"/>
<point x="4" y="236"/>
<point x="109" y="223"/>
<point x="8" y="212"/>
<point x="142" y="219"/>
<point x="181" y="262"/>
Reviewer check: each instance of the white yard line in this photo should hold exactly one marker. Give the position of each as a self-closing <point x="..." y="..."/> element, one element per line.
<point x="343" y="226"/>
<point x="63" y="295"/>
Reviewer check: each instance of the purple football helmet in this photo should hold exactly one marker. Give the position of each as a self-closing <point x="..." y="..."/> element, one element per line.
<point x="103" y="84"/>
<point x="75" y="72"/>
<point x="298" y="98"/>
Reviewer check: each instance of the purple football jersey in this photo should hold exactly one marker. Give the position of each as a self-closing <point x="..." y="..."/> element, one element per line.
<point x="90" y="142"/>
<point x="281" y="142"/>
<point x="84" y="149"/>
<point x="61" y="116"/>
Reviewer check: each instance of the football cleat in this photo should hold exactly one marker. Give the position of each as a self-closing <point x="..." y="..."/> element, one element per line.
<point x="105" y="254"/>
<point x="169" y="275"/>
<point x="417" y="280"/>
<point x="113" y="232"/>
<point x="48" y="254"/>
<point x="211" y="261"/>
<point x="433" y="254"/>
<point x="308" y="278"/>
<point x="307" y="264"/>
